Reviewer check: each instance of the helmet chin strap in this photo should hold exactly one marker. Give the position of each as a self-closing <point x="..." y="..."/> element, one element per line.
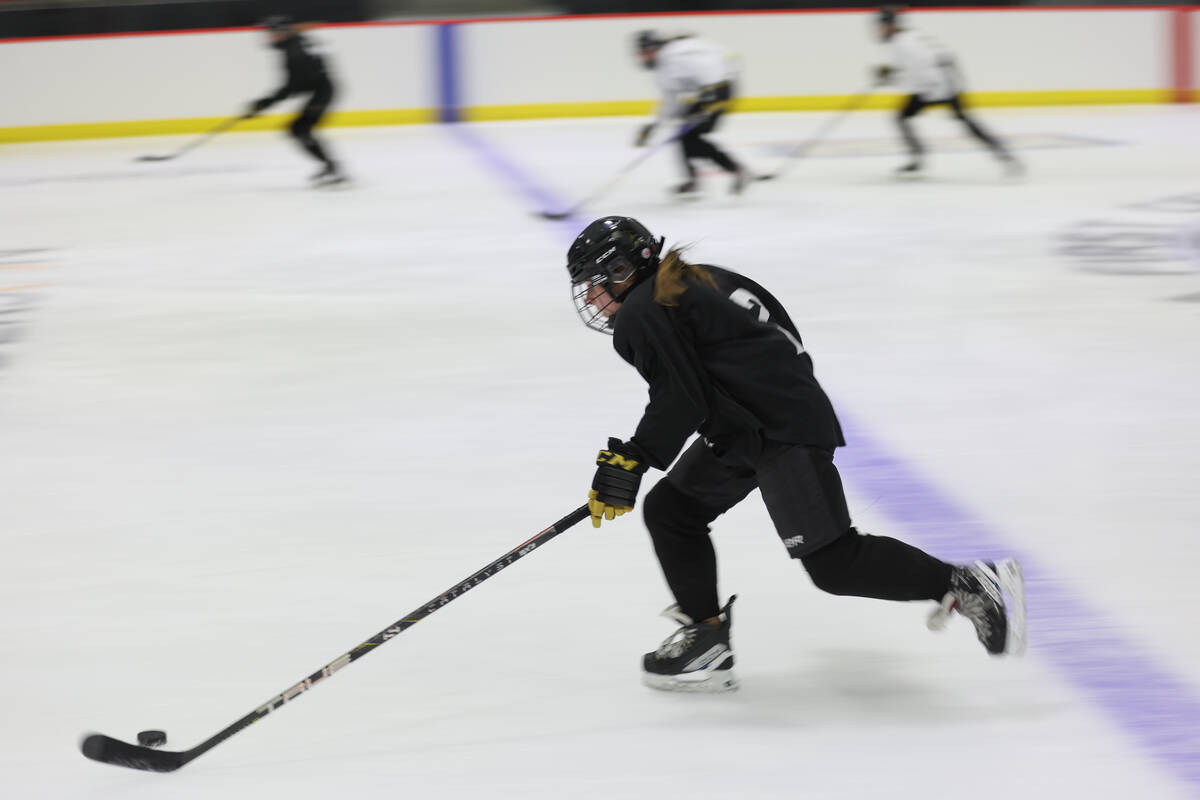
<point x="618" y="291"/>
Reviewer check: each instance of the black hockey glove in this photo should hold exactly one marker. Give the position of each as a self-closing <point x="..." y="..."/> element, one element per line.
<point x="883" y="74"/>
<point x="643" y="135"/>
<point x="618" y="476"/>
<point x="257" y="107"/>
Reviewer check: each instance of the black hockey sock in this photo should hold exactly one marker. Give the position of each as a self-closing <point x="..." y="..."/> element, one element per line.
<point x="910" y="138"/>
<point x="979" y="133"/>
<point x="702" y="148"/>
<point x="678" y="527"/>
<point x="861" y="565"/>
<point x="723" y="160"/>
<point x="313" y="147"/>
<point x="688" y="168"/>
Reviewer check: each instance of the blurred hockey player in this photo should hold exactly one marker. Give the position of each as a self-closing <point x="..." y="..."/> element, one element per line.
<point x="722" y="358"/>
<point x="928" y="73"/>
<point x="305" y="74"/>
<point x="696" y="79"/>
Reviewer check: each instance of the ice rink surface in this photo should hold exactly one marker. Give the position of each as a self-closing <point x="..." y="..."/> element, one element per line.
<point x="245" y="424"/>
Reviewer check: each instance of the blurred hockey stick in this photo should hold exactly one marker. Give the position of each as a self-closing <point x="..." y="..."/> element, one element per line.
<point x="108" y="750"/>
<point x="822" y="133"/>
<point x="192" y="145"/>
<point x="683" y="131"/>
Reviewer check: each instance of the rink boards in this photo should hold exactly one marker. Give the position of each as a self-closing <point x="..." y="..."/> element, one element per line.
<point x="402" y="72"/>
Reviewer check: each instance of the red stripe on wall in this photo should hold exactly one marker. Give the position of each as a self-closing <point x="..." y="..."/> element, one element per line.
<point x="1181" y="54"/>
<point x="562" y="17"/>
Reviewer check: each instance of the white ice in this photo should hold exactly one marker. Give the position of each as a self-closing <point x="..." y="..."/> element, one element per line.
<point x="244" y="425"/>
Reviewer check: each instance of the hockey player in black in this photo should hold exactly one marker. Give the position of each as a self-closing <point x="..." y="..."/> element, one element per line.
<point x="306" y="74"/>
<point x="722" y="358"/>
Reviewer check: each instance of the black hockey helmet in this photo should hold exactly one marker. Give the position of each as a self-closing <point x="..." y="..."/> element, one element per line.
<point x="889" y="15"/>
<point x="279" y="23"/>
<point x="648" y="38"/>
<point x="615" y="254"/>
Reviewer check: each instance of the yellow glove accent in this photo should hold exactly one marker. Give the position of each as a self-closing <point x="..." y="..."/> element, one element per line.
<point x="601" y="510"/>
<point x="616" y="460"/>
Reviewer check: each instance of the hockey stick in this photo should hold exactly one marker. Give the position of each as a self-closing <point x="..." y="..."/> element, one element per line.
<point x="99" y="747"/>
<point x="822" y="132"/>
<point x="192" y="145"/>
<point x="683" y="131"/>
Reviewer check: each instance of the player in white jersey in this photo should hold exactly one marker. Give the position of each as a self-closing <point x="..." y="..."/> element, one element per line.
<point x="927" y="72"/>
<point x="696" y="79"/>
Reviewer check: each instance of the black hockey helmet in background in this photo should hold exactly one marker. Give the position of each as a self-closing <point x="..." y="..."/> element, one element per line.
<point x="615" y="253"/>
<point x="648" y="38"/>
<point x="279" y="23"/>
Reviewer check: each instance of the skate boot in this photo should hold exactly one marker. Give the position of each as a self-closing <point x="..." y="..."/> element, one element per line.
<point x="992" y="596"/>
<point x="328" y="175"/>
<point x="912" y="169"/>
<point x="740" y="179"/>
<point x="1012" y="167"/>
<point x="696" y="658"/>
<point x="689" y="188"/>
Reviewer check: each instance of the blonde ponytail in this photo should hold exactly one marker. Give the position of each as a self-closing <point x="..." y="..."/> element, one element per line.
<point x="674" y="274"/>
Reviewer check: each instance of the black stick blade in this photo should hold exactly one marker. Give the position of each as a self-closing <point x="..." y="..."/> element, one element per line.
<point x="554" y="214"/>
<point x="154" y="158"/>
<point x="108" y="750"/>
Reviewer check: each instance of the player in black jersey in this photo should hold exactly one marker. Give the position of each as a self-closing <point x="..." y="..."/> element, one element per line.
<point x="723" y="358"/>
<point x="306" y="74"/>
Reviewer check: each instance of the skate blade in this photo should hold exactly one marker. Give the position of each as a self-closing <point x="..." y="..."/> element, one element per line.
<point x="714" y="683"/>
<point x="1012" y="585"/>
<point x="341" y="182"/>
<point x="939" y="618"/>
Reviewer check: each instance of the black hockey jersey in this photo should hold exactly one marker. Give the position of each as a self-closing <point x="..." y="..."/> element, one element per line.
<point x="305" y="69"/>
<point x="724" y="362"/>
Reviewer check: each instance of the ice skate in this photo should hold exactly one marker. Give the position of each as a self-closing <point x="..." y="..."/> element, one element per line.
<point x="992" y="596"/>
<point x="696" y="658"/>
<point x="329" y="175"/>
<point x="912" y="169"/>
<point x="1012" y="167"/>
<point x="740" y="179"/>
<point x="688" y="189"/>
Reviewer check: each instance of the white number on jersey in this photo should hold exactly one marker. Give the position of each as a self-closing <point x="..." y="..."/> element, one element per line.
<point x="751" y="303"/>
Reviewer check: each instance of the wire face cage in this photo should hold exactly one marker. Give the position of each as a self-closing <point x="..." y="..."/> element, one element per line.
<point x="591" y="300"/>
<point x="594" y="274"/>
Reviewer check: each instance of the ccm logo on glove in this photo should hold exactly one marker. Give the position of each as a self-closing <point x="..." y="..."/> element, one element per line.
<point x="618" y="476"/>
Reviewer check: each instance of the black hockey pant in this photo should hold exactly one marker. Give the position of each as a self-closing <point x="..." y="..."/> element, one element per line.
<point x="915" y="105"/>
<point x="803" y="494"/>
<point x="693" y="145"/>
<point x="302" y="126"/>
